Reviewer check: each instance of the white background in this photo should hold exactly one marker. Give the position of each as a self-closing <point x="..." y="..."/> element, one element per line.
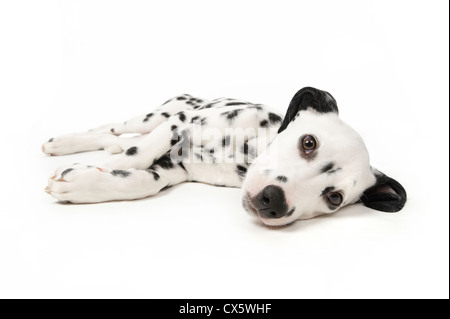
<point x="71" y="65"/>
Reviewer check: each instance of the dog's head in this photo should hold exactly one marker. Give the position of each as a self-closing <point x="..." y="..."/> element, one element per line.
<point x="315" y="165"/>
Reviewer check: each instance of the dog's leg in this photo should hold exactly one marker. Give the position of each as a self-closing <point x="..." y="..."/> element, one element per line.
<point x="152" y="147"/>
<point x="107" y="136"/>
<point x="89" y="184"/>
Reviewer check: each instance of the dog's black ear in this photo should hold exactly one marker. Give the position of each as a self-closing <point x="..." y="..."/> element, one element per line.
<point x="387" y="195"/>
<point x="308" y="97"/>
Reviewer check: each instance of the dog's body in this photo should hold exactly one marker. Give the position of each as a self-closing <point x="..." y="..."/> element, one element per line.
<point x="308" y="164"/>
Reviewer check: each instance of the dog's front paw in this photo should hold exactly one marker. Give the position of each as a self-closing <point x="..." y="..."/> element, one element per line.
<point x="80" y="184"/>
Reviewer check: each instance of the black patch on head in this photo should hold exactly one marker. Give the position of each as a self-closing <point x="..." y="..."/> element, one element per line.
<point x="308" y="97"/>
<point x="181" y="98"/>
<point x="235" y="103"/>
<point x="131" y="151"/>
<point x="241" y="170"/>
<point x="164" y="162"/>
<point x="231" y="115"/>
<point x="67" y="171"/>
<point x="274" y="118"/>
<point x="120" y="172"/>
<point x="165" y="114"/>
<point x="327" y="190"/>
<point x="264" y="123"/>
<point x="387" y="195"/>
<point x="282" y="178"/>
<point x="327" y="168"/>
<point x="226" y="140"/>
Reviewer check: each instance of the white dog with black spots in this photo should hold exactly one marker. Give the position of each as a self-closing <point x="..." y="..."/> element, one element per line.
<point x="308" y="164"/>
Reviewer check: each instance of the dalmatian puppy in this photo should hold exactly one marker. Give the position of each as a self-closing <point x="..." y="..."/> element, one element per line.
<point x="301" y="166"/>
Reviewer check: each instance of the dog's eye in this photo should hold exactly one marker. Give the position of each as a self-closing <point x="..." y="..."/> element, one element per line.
<point x="335" y="198"/>
<point x="309" y="143"/>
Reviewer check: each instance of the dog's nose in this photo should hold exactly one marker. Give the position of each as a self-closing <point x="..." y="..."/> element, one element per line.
<point x="271" y="202"/>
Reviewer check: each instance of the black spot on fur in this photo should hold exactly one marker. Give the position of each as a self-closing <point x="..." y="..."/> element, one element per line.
<point x="149" y="115"/>
<point x="327" y="190"/>
<point x="165" y="114"/>
<point x="51" y="140"/>
<point x="164" y="162"/>
<point x="113" y="131"/>
<point x="264" y="123"/>
<point x="155" y="176"/>
<point x="241" y="170"/>
<point x="231" y="115"/>
<point x="121" y="173"/>
<point x="235" y="103"/>
<point x="327" y="167"/>
<point x="195" y="119"/>
<point x="182" y="116"/>
<point x="67" y="171"/>
<point x="175" y="135"/>
<point x="226" y="140"/>
<point x="274" y="118"/>
<point x="289" y="213"/>
<point x="244" y="148"/>
<point x="203" y="121"/>
<point x="282" y="179"/>
<point x="181" y="98"/>
<point x="131" y="151"/>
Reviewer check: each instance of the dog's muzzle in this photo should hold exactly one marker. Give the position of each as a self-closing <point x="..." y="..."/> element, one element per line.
<point x="270" y="203"/>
